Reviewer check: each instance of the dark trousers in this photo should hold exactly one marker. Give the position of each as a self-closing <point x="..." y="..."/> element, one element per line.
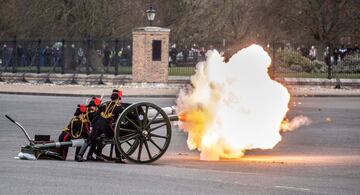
<point x="97" y="131"/>
<point x="101" y="127"/>
<point x="64" y="137"/>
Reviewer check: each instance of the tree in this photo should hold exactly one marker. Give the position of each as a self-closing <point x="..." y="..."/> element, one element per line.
<point x="324" y="21"/>
<point x="208" y="22"/>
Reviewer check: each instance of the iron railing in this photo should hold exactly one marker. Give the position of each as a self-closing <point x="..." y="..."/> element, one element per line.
<point x="114" y="56"/>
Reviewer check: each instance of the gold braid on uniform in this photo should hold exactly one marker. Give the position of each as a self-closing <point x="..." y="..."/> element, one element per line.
<point x="79" y="133"/>
<point x="109" y="109"/>
<point x="71" y="130"/>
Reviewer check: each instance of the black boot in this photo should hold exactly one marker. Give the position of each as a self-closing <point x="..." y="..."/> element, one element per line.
<point x="99" y="148"/>
<point x="119" y="157"/>
<point x="83" y="148"/>
<point x="90" y="153"/>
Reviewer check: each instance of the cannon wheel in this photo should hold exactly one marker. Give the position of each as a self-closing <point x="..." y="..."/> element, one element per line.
<point x="109" y="153"/>
<point x="142" y="138"/>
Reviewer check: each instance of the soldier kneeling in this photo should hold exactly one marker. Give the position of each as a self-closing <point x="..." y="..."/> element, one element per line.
<point x="104" y="117"/>
<point x="78" y="127"/>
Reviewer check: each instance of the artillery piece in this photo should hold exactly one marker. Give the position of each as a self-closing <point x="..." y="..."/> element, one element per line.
<point x="142" y="135"/>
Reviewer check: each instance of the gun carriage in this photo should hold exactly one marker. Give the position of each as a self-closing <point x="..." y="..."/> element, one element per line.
<point x="142" y="134"/>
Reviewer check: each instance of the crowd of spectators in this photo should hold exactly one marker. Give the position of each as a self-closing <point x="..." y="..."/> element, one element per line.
<point x="331" y="55"/>
<point x="52" y="55"/>
<point x="194" y="54"/>
<point x="111" y="57"/>
<point x="186" y="55"/>
<point x="30" y="55"/>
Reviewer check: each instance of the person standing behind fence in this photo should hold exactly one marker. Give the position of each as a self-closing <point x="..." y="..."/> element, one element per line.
<point x="327" y="59"/>
<point x="202" y="54"/>
<point x="119" y="55"/>
<point x="173" y="54"/>
<point x="342" y="51"/>
<point x="129" y="52"/>
<point x="47" y="54"/>
<point x="57" y="56"/>
<point x="5" y="55"/>
<point x="73" y="55"/>
<point x="124" y="56"/>
<point x="20" y="55"/>
<point x="195" y="52"/>
<point x="336" y="56"/>
<point x="185" y="53"/>
<point x="304" y="51"/>
<point x="106" y="59"/>
<point x="113" y="57"/>
<point x="29" y="54"/>
<point x="80" y="56"/>
<point x="312" y="53"/>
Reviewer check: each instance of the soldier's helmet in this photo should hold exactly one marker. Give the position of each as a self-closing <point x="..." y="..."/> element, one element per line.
<point x="94" y="102"/>
<point x="116" y="94"/>
<point x="80" y="109"/>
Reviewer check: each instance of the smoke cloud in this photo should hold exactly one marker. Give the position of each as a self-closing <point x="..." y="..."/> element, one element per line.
<point x="295" y="123"/>
<point x="233" y="107"/>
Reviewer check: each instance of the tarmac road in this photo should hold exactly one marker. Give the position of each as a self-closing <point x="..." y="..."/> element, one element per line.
<point x="323" y="158"/>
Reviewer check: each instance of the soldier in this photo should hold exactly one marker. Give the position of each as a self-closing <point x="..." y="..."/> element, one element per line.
<point x="91" y="109"/>
<point x="103" y="121"/>
<point x="78" y="127"/>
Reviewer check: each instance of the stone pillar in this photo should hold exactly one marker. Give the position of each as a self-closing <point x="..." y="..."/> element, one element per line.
<point x="150" y="58"/>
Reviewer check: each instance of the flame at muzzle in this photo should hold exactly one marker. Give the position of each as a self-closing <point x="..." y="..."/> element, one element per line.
<point x="182" y="117"/>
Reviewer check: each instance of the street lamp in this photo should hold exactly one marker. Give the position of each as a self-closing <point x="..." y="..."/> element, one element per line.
<point x="150" y="13"/>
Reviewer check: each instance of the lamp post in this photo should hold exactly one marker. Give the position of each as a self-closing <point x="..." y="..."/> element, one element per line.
<point x="150" y="13"/>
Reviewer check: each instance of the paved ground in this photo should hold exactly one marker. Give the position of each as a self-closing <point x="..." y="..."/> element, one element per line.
<point x="323" y="158"/>
<point x="88" y="90"/>
<point x="153" y="90"/>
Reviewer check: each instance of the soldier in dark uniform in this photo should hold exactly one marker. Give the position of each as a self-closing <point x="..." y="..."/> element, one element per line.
<point x="103" y="121"/>
<point x="91" y="109"/>
<point x="78" y="127"/>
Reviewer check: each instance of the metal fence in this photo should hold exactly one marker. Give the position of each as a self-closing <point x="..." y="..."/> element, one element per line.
<point x="114" y="56"/>
<point x="66" y="56"/>
<point x="298" y="60"/>
<point x="315" y="61"/>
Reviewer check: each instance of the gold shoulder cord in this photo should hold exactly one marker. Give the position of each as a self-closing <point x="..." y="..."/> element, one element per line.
<point x="109" y="109"/>
<point x="72" y="130"/>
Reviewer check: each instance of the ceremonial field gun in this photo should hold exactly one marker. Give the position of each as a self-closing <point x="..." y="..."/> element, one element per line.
<point x="142" y="134"/>
<point x="41" y="146"/>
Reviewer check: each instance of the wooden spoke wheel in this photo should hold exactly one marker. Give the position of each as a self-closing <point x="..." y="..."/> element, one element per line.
<point x="142" y="132"/>
<point x="109" y="152"/>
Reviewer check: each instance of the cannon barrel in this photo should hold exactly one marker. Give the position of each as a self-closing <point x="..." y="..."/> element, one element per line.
<point x="169" y="111"/>
<point x="72" y="143"/>
<point x="36" y="151"/>
<point x="171" y="118"/>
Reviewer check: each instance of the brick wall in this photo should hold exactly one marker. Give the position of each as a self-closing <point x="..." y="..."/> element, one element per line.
<point x="144" y="68"/>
